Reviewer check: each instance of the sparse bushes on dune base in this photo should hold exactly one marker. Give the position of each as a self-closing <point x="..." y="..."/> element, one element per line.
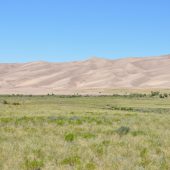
<point x="130" y="95"/>
<point x="137" y="109"/>
<point x="8" y="103"/>
<point x="163" y="95"/>
<point x="160" y="95"/>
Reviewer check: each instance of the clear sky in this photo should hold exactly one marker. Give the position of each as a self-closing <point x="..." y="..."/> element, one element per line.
<point x="64" y="30"/>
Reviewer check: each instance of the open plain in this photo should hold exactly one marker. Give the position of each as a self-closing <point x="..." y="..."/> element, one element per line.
<point x="85" y="132"/>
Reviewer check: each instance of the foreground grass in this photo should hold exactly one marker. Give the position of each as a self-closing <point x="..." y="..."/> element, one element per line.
<point x="53" y="132"/>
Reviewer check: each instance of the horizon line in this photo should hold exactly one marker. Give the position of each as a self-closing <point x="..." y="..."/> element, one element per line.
<point x="86" y="59"/>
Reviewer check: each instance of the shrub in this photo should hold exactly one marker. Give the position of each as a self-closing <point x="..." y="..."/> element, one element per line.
<point x="155" y="93"/>
<point x="165" y="95"/>
<point x="5" y="102"/>
<point x="123" y="130"/>
<point x="69" y="137"/>
<point x="161" y="96"/>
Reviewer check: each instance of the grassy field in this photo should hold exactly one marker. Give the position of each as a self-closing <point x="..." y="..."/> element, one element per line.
<point x="84" y="133"/>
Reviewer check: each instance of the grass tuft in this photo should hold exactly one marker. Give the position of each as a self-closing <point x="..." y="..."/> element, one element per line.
<point x="33" y="164"/>
<point x="90" y="166"/>
<point x="138" y="133"/>
<point x="88" y="135"/>
<point x="71" y="160"/>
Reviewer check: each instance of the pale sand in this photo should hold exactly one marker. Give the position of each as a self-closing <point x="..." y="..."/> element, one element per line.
<point x="89" y="76"/>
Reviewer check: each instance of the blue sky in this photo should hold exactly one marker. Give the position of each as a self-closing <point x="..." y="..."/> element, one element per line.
<point x="66" y="30"/>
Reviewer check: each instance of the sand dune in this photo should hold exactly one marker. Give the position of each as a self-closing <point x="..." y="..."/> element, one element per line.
<point x="94" y="73"/>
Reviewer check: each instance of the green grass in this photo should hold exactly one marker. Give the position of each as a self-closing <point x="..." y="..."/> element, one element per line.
<point x="84" y="133"/>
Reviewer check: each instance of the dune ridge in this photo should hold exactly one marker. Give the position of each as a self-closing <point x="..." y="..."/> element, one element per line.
<point x="94" y="73"/>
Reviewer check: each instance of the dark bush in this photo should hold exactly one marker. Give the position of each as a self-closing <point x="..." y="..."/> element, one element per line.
<point x="161" y="96"/>
<point x="123" y="130"/>
<point x="5" y="102"/>
<point x="165" y="95"/>
<point x="16" y="103"/>
<point x="155" y="93"/>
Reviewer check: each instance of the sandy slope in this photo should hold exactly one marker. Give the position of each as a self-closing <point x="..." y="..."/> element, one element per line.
<point x="95" y="73"/>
